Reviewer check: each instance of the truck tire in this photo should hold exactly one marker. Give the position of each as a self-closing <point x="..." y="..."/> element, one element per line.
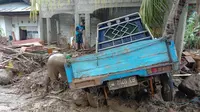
<point x="167" y="87"/>
<point x="95" y="97"/>
<point x="92" y="100"/>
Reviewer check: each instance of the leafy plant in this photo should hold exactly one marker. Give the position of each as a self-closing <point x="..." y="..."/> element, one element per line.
<point x="153" y="14"/>
<point x="192" y="38"/>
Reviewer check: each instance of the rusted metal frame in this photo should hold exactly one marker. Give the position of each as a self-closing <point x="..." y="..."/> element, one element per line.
<point x="105" y="92"/>
<point x="160" y="73"/>
<point x="151" y="86"/>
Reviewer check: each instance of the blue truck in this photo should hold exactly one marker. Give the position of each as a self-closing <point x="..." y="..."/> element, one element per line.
<point x="126" y="55"/>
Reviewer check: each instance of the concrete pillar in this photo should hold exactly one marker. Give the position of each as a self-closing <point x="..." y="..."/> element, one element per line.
<point x="87" y="30"/>
<point x="48" y="31"/>
<point x="41" y="28"/>
<point x="77" y="19"/>
<point x="58" y="26"/>
<point x="179" y="40"/>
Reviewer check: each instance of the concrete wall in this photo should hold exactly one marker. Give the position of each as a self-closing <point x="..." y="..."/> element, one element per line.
<point x="93" y="27"/>
<point x="93" y="5"/>
<point x="19" y="21"/>
<point x="82" y="6"/>
<point x="8" y="23"/>
<point x="56" y="7"/>
<point x="2" y="25"/>
<point x="66" y="25"/>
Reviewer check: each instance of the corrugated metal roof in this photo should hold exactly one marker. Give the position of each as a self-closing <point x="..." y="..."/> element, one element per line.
<point x="15" y="7"/>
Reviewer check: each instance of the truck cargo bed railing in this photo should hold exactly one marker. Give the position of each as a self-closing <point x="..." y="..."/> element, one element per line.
<point x="121" y="31"/>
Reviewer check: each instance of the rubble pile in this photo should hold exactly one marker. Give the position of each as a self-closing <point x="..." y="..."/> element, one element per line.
<point x="21" y="62"/>
<point x="33" y="83"/>
<point x="3" y="41"/>
<point x="190" y="62"/>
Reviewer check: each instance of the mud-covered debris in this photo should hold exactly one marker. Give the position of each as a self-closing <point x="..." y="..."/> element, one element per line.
<point x="80" y="98"/>
<point x="3" y="41"/>
<point x="5" y="77"/>
<point x="191" y="86"/>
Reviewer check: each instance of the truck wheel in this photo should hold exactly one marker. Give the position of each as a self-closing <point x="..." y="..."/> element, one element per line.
<point x="167" y="87"/>
<point x="95" y="101"/>
<point x="92" y="100"/>
<point x="95" y="97"/>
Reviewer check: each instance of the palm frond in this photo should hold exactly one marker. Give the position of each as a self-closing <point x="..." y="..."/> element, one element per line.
<point x="153" y="13"/>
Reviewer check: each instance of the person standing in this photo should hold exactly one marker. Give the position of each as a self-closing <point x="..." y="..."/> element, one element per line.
<point x="79" y="35"/>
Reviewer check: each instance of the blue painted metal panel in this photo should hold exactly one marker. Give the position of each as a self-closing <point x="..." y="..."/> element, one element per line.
<point x="141" y="73"/>
<point x="112" y="61"/>
<point x="69" y="73"/>
<point x="120" y="31"/>
<point x="173" y="52"/>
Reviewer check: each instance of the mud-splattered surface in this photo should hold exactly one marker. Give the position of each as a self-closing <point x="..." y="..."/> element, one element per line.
<point x="24" y="95"/>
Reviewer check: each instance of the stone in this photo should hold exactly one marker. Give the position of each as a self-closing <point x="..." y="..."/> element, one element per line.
<point x="5" y="77"/>
<point x="191" y="86"/>
<point x="80" y="98"/>
<point x="119" y="105"/>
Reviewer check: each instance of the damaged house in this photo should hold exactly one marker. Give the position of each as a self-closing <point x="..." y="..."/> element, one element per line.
<point x="59" y="19"/>
<point x="15" y="21"/>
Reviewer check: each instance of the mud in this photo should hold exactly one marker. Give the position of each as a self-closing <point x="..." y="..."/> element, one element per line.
<point x="191" y="86"/>
<point x="24" y="95"/>
<point x="5" y="77"/>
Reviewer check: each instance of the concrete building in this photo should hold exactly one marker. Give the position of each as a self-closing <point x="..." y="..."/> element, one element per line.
<point x="15" y="21"/>
<point x="59" y="19"/>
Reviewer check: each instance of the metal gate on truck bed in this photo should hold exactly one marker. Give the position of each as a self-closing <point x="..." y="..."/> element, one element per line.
<point x="121" y="31"/>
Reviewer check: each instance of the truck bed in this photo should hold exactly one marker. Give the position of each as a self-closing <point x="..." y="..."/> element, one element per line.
<point x="124" y="61"/>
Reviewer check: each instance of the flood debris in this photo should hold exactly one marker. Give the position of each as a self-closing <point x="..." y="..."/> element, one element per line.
<point x="187" y="63"/>
<point x="3" y="41"/>
<point x="5" y="77"/>
<point x="191" y="86"/>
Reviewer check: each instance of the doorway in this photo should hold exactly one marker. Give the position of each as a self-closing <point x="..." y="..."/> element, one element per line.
<point x="23" y="33"/>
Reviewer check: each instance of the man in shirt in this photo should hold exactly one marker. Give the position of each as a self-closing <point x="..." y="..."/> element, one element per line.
<point x="79" y="35"/>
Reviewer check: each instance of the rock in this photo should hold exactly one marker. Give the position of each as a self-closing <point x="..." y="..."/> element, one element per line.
<point x="191" y="86"/>
<point x="171" y="110"/>
<point x="118" y="105"/>
<point x="5" y="77"/>
<point x="80" y="98"/>
<point x="95" y="100"/>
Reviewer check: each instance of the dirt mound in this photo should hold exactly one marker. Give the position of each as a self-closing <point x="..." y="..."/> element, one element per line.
<point x="5" y="77"/>
<point x="191" y="86"/>
<point x="3" y="41"/>
<point x="32" y="83"/>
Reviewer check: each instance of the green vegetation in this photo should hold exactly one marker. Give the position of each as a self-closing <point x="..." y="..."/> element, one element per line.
<point x="192" y="37"/>
<point x="153" y="14"/>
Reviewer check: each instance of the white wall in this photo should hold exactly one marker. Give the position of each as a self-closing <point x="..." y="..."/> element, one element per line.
<point x="93" y="28"/>
<point x="18" y="21"/>
<point x="8" y="23"/>
<point x="66" y="25"/>
<point x="2" y="25"/>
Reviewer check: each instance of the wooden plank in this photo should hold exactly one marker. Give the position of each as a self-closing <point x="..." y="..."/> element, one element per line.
<point x="189" y="59"/>
<point x="181" y="75"/>
<point x="186" y="53"/>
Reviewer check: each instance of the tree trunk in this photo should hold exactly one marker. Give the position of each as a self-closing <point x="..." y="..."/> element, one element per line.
<point x="173" y="19"/>
<point x="171" y="27"/>
<point x="198" y="6"/>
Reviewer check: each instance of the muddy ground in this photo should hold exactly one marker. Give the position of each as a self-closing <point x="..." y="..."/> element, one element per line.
<point x="25" y="93"/>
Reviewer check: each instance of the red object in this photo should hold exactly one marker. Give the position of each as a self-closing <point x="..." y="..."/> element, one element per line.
<point x="154" y="70"/>
<point x="29" y="41"/>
